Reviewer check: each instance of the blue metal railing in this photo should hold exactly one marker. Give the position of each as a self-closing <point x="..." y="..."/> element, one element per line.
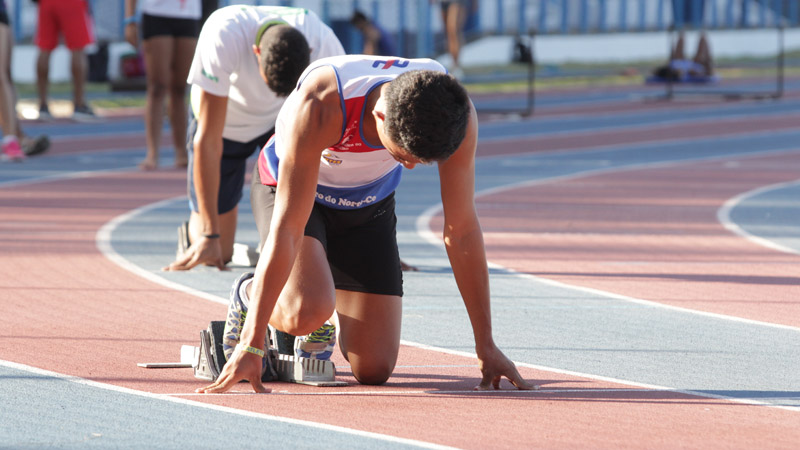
<point x="416" y="24"/>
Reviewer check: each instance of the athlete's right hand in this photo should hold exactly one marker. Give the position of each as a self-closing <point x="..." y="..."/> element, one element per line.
<point x="241" y="366"/>
<point x="203" y="251"/>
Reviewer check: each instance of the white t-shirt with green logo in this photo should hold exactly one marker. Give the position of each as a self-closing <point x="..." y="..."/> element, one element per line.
<point x="224" y="63"/>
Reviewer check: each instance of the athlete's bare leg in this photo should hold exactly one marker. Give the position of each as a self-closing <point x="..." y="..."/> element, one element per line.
<point x="308" y="299"/>
<point x="369" y="333"/>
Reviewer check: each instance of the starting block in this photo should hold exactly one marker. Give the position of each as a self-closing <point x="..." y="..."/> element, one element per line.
<point x="208" y="359"/>
<point x="306" y="370"/>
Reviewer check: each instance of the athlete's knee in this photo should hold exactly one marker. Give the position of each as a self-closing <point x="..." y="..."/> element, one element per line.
<point x="373" y="372"/>
<point x="178" y="89"/>
<point x="302" y="317"/>
<point x="157" y="88"/>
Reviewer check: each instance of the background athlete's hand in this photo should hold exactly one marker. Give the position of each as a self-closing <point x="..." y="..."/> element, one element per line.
<point x="242" y="366"/>
<point x="494" y="365"/>
<point x="203" y="251"/>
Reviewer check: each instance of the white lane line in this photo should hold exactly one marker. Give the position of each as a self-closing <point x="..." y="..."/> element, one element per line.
<point x="182" y="401"/>
<point x="103" y="242"/>
<point x="724" y="216"/>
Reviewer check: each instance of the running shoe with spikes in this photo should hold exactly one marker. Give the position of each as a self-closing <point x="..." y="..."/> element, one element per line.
<point x="317" y="345"/>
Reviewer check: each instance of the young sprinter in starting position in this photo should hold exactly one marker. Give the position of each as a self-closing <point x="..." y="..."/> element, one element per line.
<point x="323" y="197"/>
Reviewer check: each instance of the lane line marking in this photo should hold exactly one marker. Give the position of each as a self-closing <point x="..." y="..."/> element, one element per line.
<point x="103" y="243"/>
<point x="724" y="216"/>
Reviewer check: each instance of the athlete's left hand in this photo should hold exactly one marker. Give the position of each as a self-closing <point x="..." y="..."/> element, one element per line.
<point x="494" y="365"/>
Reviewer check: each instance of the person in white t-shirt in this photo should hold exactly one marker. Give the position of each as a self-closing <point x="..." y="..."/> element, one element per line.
<point x="248" y="59"/>
<point x="169" y="31"/>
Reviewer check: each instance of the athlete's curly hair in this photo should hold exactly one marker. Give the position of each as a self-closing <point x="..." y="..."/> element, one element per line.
<point x="284" y="56"/>
<point x="426" y="114"/>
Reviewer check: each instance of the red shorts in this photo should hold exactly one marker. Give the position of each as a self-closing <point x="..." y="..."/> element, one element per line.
<point x="69" y="18"/>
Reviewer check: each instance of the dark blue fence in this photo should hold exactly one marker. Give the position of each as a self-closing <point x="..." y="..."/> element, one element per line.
<point x="416" y="24"/>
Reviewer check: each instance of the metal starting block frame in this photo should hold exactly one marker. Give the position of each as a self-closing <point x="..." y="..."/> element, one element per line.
<point x="208" y="359"/>
<point x="305" y="370"/>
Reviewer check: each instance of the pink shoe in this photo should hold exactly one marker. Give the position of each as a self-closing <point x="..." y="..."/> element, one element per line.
<point x="12" y="150"/>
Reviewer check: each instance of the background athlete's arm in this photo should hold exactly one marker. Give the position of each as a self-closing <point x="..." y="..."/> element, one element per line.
<point x="207" y="157"/>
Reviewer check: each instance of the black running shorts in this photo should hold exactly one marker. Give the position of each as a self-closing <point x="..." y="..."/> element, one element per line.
<point x="233" y="167"/>
<point x="361" y="244"/>
<point x="169" y="26"/>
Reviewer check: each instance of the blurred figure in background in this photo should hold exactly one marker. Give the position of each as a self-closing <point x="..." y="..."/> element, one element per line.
<point x="376" y="40"/>
<point x="72" y="19"/>
<point x="681" y="69"/>
<point x="8" y="114"/>
<point x="454" y="15"/>
<point x="209" y="6"/>
<point x="169" y="35"/>
<point x="687" y="14"/>
<point x="15" y="145"/>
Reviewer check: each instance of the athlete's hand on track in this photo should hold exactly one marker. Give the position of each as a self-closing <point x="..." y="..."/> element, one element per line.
<point x="242" y="366"/>
<point x="203" y="251"/>
<point x="494" y="366"/>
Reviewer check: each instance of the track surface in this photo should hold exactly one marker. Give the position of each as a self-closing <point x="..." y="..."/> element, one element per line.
<point x="645" y="274"/>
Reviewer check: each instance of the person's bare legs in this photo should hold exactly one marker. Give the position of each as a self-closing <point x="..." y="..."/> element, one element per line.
<point x="42" y="76"/>
<point x="677" y="51"/>
<point x="158" y="54"/>
<point x="454" y="17"/>
<point x="703" y="55"/>
<point x="178" y="110"/>
<point x="79" y="66"/>
<point x="227" y="231"/>
<point x="8" y="113"/>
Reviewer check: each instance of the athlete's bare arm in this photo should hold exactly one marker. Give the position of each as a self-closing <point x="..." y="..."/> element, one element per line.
<point x="206" y="166"/>
<point x="463" y="240"/>
<point x="316" y="123"/>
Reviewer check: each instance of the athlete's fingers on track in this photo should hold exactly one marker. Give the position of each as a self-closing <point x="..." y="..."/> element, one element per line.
<point x="220" y="264"/>
<point x="222" y="385"/>
<point x="487" y="381"/>
<point x="181" y="263"/>
<point x="258" y="387"/>
<point x="521" y="383"/>
<point x="493" y="381"/>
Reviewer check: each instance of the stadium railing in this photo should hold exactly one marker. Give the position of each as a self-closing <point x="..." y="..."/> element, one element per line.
<point x="417" y="25"/>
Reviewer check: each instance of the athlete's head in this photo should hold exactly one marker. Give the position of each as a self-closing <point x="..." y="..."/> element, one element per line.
<point x="283" y="54"/>
<point x="426" y="114"/>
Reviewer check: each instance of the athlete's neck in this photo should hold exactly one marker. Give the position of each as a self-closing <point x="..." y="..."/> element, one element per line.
<point x="370" y="125"/>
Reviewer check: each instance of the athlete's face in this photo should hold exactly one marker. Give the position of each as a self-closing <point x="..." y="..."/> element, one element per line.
<point x="400" y="154"/>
